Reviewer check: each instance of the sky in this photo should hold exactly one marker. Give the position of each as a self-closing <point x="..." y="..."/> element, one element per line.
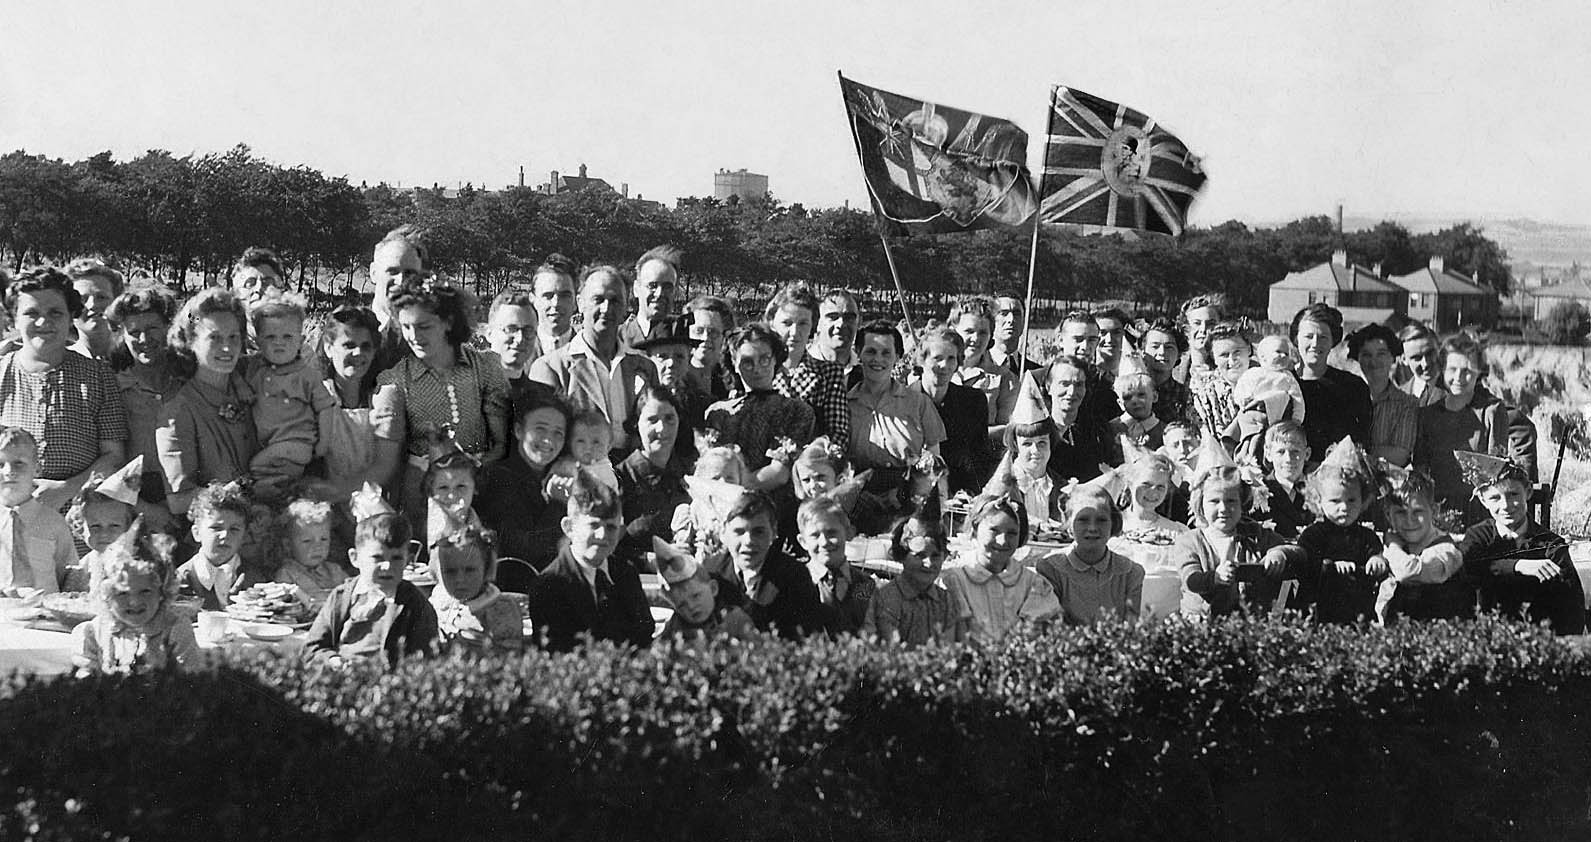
<point x="1463" y="108"/>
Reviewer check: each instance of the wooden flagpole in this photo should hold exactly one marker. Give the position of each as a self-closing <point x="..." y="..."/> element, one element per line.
<point x="1033" y="252"/>
<point x="878" y="215"/>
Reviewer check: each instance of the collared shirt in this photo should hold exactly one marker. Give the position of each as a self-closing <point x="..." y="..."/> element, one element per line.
<point x="579" y="355"/>
<point x="631" y="333"/>
<point x="890" y="430"/>
<point x="68" y="410"/>
<point x="471" y="397"/>
<point x="1394" y="419"/>
<point x="590" y="573"/>
<point x="917" y="614"/>
<point x="47" y="547"/>
<point x="821" y="384"/>
<point x="207" y="434"/>
<point x="1089" y="593"/>
<point x="997" y="384"/>
<point x="1036" y="493"/>
<point x="288" y="400"/>
<point x="545" y="346"/>
<point x="992" y="603"/>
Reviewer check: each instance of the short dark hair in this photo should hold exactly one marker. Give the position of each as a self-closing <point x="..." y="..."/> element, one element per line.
<point x="1168" y="327"/>
<point x="156" y="300"/>
<point x="1115" y="314"/>
<point x="755" y="332"/>
<point x="751" y="504"/>
<point x="451" y="304"/>
<point x="255" y="256"/>
<point x="1320" y="313"/>
<point x="881" y="327"/>
<point x="386" y="529"/>
<point x="92" y="267"/>
<point x="796" y="294"/>
<point x="1226" y="330"/>
<point x="593" y="499"/>
<point x="528" y="399"/>
<point x="1373" y="331"/>
<point x="44" y="279"/>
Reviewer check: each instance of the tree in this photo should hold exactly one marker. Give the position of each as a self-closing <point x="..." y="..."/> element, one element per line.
<point x="1566" y="323"/>
<point x="1466" y="249"/>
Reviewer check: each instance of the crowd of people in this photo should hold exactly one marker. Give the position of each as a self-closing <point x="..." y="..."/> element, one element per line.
<point x="591" y="431"/>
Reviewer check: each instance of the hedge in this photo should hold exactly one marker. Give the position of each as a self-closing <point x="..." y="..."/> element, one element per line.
<point x="1235" y="730"/>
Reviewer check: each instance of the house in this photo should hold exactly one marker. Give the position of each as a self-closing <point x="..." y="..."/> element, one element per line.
<point x="1446" y="300"/>
<point x="1541" y="300"/>
<point x="559" y="183"/>
<point x="1356" y="291"/>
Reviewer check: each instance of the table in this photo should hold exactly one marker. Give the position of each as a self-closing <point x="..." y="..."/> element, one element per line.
<point x="43" y="648"/>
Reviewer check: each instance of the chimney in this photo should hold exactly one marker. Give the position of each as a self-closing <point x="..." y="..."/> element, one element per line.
<point x="1438" y="264"/>
<point x="624" y="189"/>
<point x="1340" y="258"/>
<point x="582" y="170"/>
<point x="1339" y="219"/>
<point x="1376" y="270"/>
<point x="552" y="184"/>
<point x="521" y="176"/>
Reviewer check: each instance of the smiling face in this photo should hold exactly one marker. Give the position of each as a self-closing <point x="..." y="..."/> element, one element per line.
<point x="976" y="333"/>
<point x="747" y="540"/>
<point x="280" y="339"/>
<point x="1067" y="387"/>
<point x="220" y="536"/>
<point x="541" y="434"/>
<point x="590" y="442"/>
<point x="1461" y="374"/>
<point x="1413" y="519"/>
<point x="1079" y="339"/>
<point x="351" y="350"/>
<point x="793" y="324"/>
<point x="924" y="556"/>
<point x="217" y="343"/>
<point x="1112" y="340"/>
<point x="380" y="565"/>
<point x="878" y="357"/>
<point x="708" y="326"/>
<point x="1161" y="347"/>
<point x="654" y="289"/>
<point x="19" y="468"/>
<point x="657" y="422"/>
<point x="311" y="543"/>
<point x="44" y="323"/>
<point x="97" y="294"/>
<point x="461" y="570"/>
<point x="393" y="264"/>
<point x="754" y="364"/>
<point x="511" y="332"/>
<point x="1230" y="357"/>
<point x="1341" y="501"/>
<point x="554" y="295"/>
<point x="823" y="537"/>
<point x="1314" y="344"/>
<point x="812" y="479"/>
<point x="426" y="334"/>
<point x="996" y="537"/>
<point x="1506" y="502"/>
<point x="1091" y="527"/>
<point x="1287" y="454"/>
<point x="1031" y="456"/>
<point x="1151" y="490"/>
<point x="144" y="336"/>
<point x="940" y="360"/>
<point x="604" y="305"/>
<point x="135" y="599"/>
<point x="837" y="321"/>
<point x="1221" y="505"/>
<point x="453" y="488"/>
<point x="1420" y="356"/>
<point x="592" y="539"/>
<point x="104" y="521"/>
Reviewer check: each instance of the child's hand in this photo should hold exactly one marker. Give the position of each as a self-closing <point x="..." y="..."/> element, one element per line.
<point x="1345" y="568"/>
<point x="1541" y="568"/>
<point x="1225" y="571"/>
<point x="1275" y="562"/>
<point x="1376" y="566"/>
<point x="559" y="488"/>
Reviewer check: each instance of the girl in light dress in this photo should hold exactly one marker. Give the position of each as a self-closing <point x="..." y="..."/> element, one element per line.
<point x="137" y="626"/>
<point x="1147" y="536"/>
<point x="991" y="591"/>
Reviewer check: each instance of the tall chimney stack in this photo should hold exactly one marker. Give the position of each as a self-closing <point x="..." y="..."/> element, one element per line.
<point x="624" y="189"/>
<point x="521" y="176"/>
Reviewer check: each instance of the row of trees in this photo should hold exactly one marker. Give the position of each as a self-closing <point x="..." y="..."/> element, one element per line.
<point x="176" y="217"/>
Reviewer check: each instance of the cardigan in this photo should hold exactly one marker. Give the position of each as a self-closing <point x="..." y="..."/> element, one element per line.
<point x="1203" y="595"/>
<point x="412" y="632"/>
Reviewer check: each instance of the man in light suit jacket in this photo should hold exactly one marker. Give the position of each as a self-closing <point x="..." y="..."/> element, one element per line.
<point x="595" y="371"/>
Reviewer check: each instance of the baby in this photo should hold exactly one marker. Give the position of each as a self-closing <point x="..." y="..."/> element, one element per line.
<point x="289" y="394"/>
<point x="308" y="563"/>
<point x="590" y="439"/>
<point x="1271" y="383"/>
<point x="699" y="615"/>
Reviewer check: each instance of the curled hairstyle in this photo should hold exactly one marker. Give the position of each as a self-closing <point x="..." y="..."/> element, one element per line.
<point x="155" y="300"/>
<point x="796" y="294"/>
<point x="754" y="332"/>
<point x="981" y="306"/>
<point x="1222" y="475"/>
<point x="1169" y="328"/>
<point x="1315" y="485"/>
<point x="84" y="268"/>
<point x="1214" y="300"/>
<point x="927" y="527"/>
<point x="940" y="334"/>
<point x="451" y="304"/>
<point x="1226" y="331"/>
<point x="208" y="303"/>
<point x="137" y="551"/>
<point x="468" y="539"/>
<point x="1370" y="333"/>
<point x="1323" y="314"/>
<point x="880" y="327"/>
<point x="348" y="317"/>
<point x="256" y="256"/>
<point x="987" y="505"/>
<point x="44" y="279"/>
<point x="299" y="513"/>
<point x="219" y="497"/>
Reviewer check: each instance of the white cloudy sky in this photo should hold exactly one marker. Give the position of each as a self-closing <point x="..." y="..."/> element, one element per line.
<point x="1454" y="107"/>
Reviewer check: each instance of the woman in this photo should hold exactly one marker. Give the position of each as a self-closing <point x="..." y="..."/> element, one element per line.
<point x="1394" y="413"/>
<point x="892" y="425"/>
<point x="973" y="319"/>
<point x="147" y="376"/>
<point x="207" y="431"/>
<point x="962" y="409"/>
<point x="651" y="479"/>
<point x="511" y="498"/>
<point x="1336" y="403"/>
<point x="1468" y="418"/>
<point x="348" y="436"/>
<point x="758" y="418"/>
<point x="70" y="404"/>
<point x="820" y="383"/>
<point x="441" y="389"/>
<point x="1227" y="353"/>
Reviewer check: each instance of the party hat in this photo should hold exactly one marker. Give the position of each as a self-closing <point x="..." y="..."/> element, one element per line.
<point x="1399" y="483"/>
<point x="1029" y="409"/>
<point x="1213" y="454"/>
<point x="716" y="493"/>
<point x="1347" y="456"/>
<point x="1133" y="363"/>
<point x="1482" y="469"/>
<point x="367" y="502"/>
<point x="1003" y="480"/>
<point x="125" y="483"/>
<point x="675" y="566"/>
<point x="846" y="493"/>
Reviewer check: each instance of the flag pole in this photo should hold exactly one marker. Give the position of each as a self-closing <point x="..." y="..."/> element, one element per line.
<point x="1033" y="249"/>
<point x="878" y="214"/>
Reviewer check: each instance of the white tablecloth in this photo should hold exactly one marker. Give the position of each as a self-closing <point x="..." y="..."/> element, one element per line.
<point x="34" y="651"/>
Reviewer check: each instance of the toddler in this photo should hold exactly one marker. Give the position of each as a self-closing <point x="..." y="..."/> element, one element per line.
<point x="915" y="607"/>
<point x="220" y="514"/>
<point x="1522" y="567"/>
<point x="720" y="476"/>
<point x="1287" y="451"/>
<point x="1271" y="386"/>
<point x="307" y="563"/>
<point x="699" y="615"/>
<point x="822" y="530"/>
<point x="992" y="592"/>
<point x="289" y="393"/>
<point x="470" y="610"/>
<point x="1347" y="564"/>
<point x="102" y="511"/>
<point x="376" y="613"/>
<point x="449" y="485"/>
<point x="137" y="626"/>
<point x="590" y="439"/>
<point x="1093" y="582"/>
<point x="36" y="549"/>
<point x="1228" y="562"/>
<point x="1137" y="425"/>
<point x="1426" y="564"/>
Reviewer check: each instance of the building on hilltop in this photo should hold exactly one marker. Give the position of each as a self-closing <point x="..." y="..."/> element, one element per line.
<point x="1360" y="293"/>
<point x="558" y="183"/>
<point x="1446" y="300"/>
<point x="746" y="185"/>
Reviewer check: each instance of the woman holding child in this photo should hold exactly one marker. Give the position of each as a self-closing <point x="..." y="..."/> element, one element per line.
<point x="69" y="403"/>
<point x="207" y="432"/>
<point x="891" y="425"/>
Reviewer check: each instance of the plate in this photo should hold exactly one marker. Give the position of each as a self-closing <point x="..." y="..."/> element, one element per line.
<point x="69" y="608"/>
<point x="268" y="632"/>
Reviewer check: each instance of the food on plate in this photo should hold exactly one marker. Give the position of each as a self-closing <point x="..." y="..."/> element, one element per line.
<point x="270" y="602"/>
<point x="69" y="608"/>
<point x="1153" y="537"/>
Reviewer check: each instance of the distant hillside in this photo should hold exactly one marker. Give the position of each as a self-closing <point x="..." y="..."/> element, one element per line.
<point x="1528" y="242"/>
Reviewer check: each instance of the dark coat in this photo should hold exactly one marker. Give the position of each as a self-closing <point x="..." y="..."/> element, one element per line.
<point x="786" y="601"/>
<point x="562" y="606"/>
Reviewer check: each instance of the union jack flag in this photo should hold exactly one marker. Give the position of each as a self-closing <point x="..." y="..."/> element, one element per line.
<point x="932" y="168"/>
<point x="1108" y="165"/>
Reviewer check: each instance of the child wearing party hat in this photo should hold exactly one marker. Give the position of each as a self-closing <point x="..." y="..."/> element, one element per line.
<point x="1347" y="564"/>
<point x="101" y="513"/>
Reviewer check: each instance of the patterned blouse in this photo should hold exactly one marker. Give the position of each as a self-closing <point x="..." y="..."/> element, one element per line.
<point x="69" y="410"/>
<point x="471" y="398"/>
<point x="757" y="420"/>
<point x="821" y="384"/>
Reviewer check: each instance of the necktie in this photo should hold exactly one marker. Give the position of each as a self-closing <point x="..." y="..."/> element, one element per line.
<point x="21" y="572"/>
<point x="836" y="587"/>
<point x="604" y="591"/>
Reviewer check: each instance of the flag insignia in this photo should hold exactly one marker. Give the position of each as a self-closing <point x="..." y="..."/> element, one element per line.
<point x="932" y="168"/>
<point x="1108" y="165"/>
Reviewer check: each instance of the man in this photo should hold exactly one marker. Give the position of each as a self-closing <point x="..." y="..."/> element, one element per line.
<point x="1009" y="325"/>
<point x="656" y="276"/>
<point x="834" y="340"/>
<point x="552" y="292"/>
<point x="595" y="371"/>
<point x="511" y="332"/>
<point x="1112" y="322"/>
<point x="258" y="271"/>
<point x="1079" y="337"/>
<point x="400" y="257"/>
